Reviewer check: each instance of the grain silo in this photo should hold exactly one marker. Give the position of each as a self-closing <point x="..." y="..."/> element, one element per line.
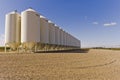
<point x="69" y="40"/>
<point x="12" y="30"/>
<point x="61" y="39"/>
<point x="57" y="37"/>
<point x="72" y="41"/>
<point x="30" y="28"/>
<point x="56" y="34"/>
<point x="44" y="32"/>
<point x="58" y="31"/>
<point x="64" y="38"/>
<point x="51" y="34"/>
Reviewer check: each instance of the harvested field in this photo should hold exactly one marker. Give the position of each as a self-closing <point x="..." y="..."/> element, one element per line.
<point x="94" y="65"/>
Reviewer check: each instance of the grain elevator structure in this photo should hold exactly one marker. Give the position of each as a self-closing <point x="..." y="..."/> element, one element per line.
<point x="31" y="31"/>
<point x="13" y="30"/>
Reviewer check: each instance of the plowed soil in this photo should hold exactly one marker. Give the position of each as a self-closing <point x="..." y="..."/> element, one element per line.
<point x="93" y="65"/>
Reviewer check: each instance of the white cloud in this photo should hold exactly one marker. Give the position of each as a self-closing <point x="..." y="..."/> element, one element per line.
<point x="2" y="39"/>
<point x="95" y="23"/>
<point x="110" y="24"/>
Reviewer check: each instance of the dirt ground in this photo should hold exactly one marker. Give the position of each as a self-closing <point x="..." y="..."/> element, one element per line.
<point x="94" y="65"/>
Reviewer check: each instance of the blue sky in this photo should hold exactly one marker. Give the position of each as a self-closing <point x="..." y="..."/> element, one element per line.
<point x="95" y="22"/>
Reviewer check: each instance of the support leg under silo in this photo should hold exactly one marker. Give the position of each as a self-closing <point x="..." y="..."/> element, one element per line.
<point x="5" y="48"/>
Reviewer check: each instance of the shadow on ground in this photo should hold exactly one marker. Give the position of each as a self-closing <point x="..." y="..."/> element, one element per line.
<point x="66" y="51"/>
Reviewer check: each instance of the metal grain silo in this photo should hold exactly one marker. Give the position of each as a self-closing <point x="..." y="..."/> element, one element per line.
<point x="69" y="39"/>
<point x="64" y="38"/>
<point x="72" y="41"/>
<point x="44" y="33"/>
<point x="51" y="33"/>
<point x="30" y="28"/>
<point x="12" y="30"/>
<point x="61" y="37"/>
<point x="57" y="37"/>
<point x="56" y="34"/>
<point x="44" y="30"/>
<point x="52" y="44"/>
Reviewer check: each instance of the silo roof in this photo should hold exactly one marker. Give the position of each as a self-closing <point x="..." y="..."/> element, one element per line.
<point x="29" y="9"/>
<point x="13" y="12"/>
<point x="42" y="17"/>
<point x="50" y="22"/>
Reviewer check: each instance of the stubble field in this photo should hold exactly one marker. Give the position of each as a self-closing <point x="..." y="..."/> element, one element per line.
<point x="94" y="65"/>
